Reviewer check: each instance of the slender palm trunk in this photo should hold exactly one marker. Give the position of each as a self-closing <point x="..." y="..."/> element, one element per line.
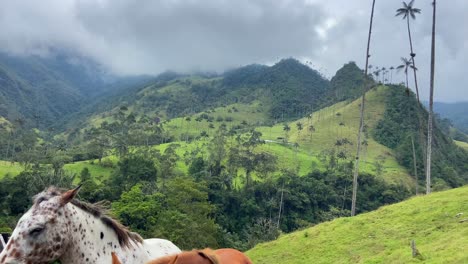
<point x="412" y="58"/>
<point x="361" y="118"/>
<point x="431" y="98"/>
<point x="406" y="74"/>
<point x="280" y="207"/>
<point x="415" y="165"/>
<point x="419" y="106"/>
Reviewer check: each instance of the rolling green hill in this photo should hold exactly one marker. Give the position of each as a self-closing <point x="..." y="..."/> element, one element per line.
<point x="437" y="223"/>
<point x="286" y="90"/>
<point x="305" y="150"/>
<point x="188" y="108"/>
<point x="311" y="146"/>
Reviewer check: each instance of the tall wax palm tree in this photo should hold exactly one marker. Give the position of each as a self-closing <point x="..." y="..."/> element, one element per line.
<point x="286" y="129"/>
<point x="406" y="65"/>
<point x="377" y="75"/>
<point x="361" y="117"/>
<point x="406" y="12"/>
<point x="431" y="98"/>
<point x="384" y="71"/>
<point x="391" y="73"/>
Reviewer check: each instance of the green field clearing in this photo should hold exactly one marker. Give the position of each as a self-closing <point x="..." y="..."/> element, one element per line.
<point x="381" y="236"/>
<point x="12" y="168"/>
<point x="462" y="144"/>
<point x="97" y="171"/>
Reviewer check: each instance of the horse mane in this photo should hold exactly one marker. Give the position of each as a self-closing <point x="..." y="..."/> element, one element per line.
<point x="99" y="211"/>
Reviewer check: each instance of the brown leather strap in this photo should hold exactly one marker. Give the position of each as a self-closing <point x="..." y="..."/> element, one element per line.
<point x="210" y="257"/>
<point x="174" y="260"/>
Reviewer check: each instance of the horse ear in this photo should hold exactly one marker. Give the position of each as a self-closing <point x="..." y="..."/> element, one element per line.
<point x="69" y="195"/>
<point x="206" y="254"/>
<point x="115" y="259"/>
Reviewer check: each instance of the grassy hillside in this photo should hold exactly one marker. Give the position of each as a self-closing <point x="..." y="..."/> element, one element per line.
<point x="333" y="123"/>
<point x="305" y="150"/>
<point x="340" y="121"/>
<point x="382" y="236"/>
<point x="464" y="145"/>
<point x="97" y="171"/>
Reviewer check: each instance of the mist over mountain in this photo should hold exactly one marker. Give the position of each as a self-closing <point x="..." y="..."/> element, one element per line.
<point x="456" y="112"/>
<point x="42" y="90"/>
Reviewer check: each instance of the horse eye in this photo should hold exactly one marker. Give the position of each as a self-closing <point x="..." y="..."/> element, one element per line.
<point x="36" y="231"/>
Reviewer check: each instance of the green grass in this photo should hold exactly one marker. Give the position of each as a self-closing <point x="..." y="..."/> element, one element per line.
<point x="12" y="168"/>
<point x="252" y="114"/>
<point x="381" y="236"/>
<point x="339" y="121"/>
<point x="462" y="144"/>
<point x="97" y="171"/>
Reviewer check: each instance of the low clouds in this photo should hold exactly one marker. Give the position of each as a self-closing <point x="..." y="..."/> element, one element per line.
<point x="147" y="37"/>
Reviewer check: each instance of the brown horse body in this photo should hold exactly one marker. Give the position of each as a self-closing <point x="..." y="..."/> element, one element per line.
<point x="205" y="256"/>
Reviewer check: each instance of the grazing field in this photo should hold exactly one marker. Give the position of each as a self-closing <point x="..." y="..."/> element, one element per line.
<point x="438" y="223"/>
<point x="12" y="168"/>
<point x="97" y="171"/>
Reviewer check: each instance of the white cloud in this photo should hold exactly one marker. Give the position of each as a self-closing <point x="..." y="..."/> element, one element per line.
<point x="145" y="36"/>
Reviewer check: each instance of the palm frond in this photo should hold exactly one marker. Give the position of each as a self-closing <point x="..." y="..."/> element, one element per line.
<point x="411" y="3"/>
<point x="401" y="11"/>
<point x="405" y="60"/>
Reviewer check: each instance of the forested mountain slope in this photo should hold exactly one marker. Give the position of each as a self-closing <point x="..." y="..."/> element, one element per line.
<point x="287" y="90"/>
<point x="41" y="90"/>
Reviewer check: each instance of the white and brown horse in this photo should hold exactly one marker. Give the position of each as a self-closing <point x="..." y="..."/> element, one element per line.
<point x="59" y="227"/>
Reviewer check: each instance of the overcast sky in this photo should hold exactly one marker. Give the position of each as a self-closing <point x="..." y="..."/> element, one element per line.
<point x="150" y="36"/>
